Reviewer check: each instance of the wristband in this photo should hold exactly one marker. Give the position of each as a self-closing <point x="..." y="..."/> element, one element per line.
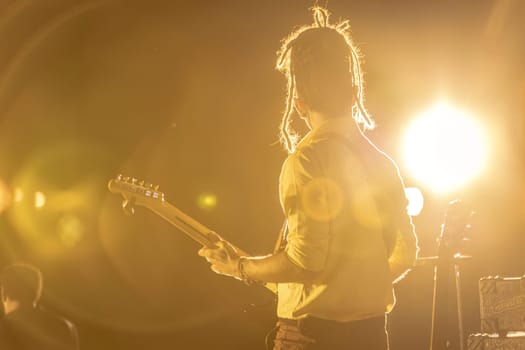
<point x="242" y="274"/>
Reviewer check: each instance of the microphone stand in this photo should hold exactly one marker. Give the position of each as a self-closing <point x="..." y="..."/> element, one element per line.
<point x="448" y="260"/>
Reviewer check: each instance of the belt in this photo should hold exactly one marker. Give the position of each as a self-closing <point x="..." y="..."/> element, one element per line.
<point x="328" y="334"/>
<point x="319" y="323"/>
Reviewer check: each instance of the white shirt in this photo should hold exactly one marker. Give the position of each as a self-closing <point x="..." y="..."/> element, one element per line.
<point x="346" y="211"/>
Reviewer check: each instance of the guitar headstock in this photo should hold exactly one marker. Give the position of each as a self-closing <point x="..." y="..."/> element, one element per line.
<point x="135" y="192"/>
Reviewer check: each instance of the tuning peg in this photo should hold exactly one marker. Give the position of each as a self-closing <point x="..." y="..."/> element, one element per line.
<point x="119" y="177"/>
<point x="133" y="181"/>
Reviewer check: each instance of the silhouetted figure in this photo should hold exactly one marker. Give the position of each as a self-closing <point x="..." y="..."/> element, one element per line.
<point x="348" y="237"/>
<point x="25" y="325"/>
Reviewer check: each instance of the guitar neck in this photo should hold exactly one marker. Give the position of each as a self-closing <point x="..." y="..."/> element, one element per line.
<point x="192" y="228"/>
<point x="146" y="195"/>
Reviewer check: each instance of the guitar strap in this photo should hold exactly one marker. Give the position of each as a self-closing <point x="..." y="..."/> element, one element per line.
<point x="281" y="240"/>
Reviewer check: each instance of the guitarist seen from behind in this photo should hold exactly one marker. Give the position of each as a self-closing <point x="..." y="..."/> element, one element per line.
<point x="348" y="237"/>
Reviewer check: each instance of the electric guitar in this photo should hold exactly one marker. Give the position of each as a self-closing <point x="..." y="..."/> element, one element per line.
<point x="139" y="193"/>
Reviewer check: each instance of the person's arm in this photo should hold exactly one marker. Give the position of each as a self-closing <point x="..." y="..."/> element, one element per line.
<point x="404" y="255"/>
<point x="404" y="245"/>
<point x="273" y="268"/>
<point x="307" y="239"/>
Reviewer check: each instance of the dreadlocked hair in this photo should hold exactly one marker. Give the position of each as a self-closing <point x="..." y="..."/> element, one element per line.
<point x="321" y="65"/>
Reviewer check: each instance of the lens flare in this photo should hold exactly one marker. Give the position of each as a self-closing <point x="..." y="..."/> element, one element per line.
<point x="71" y="229"/>
<point x="207" y="201"/>
<point x="444" y="148"/>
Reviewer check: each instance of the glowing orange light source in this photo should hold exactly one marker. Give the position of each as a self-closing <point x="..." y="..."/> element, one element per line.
<point x="444" y="148"/>
<point x="40" y="200"/>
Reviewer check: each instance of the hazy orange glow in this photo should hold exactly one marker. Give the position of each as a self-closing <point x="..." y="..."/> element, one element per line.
<point x="185" y="95"/>
<point x="18" y="195"/>
<point x="5" y="196"/>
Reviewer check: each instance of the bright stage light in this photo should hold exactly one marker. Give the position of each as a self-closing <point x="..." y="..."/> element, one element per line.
<point x="40" y="200"/>
<point x="415" y="201"/>
<point x="444" y="148"/>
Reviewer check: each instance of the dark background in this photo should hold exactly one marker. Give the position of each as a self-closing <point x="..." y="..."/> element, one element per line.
<point x="185" y="95"/>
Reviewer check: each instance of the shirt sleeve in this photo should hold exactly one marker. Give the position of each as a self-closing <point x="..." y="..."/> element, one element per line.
<point x="400" y="234"/>
<point x="304" y="199"/>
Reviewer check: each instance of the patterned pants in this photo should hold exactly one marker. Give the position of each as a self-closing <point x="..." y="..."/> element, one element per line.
<point x="317" y="334"/>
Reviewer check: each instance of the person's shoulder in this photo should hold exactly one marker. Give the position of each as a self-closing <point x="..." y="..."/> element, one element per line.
<point x="303" y="158"/>
<point x="378" y="155"/>
<point x="311" y="150"/>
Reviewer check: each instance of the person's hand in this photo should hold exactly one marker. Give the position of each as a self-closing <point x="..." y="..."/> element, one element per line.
<point x="223" y="257"/>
